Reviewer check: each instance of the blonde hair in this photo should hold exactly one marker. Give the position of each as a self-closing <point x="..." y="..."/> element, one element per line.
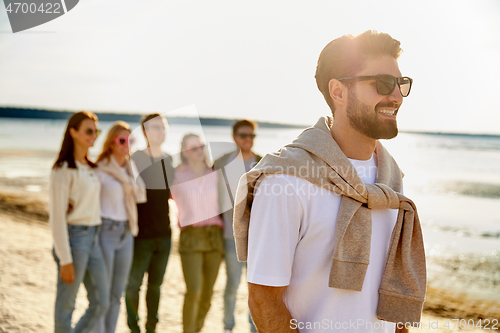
<point x="183" y="147"/>
<point x="347" y="55"/>
<point x="117" y="127"/>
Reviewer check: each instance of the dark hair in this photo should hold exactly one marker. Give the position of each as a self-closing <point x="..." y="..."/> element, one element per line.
<point x="68" y="146"/>
<point x="347" y="55"/>
<point x="148" y="117"/>
<point x="244" y="123"/>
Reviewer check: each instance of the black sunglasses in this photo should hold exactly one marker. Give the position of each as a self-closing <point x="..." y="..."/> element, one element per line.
<point x="90" y="132"/>
<point x="385" y="83"/>
<point x="245" y="135"/>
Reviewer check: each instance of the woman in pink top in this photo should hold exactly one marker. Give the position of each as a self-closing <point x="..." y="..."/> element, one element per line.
<point x="201" y="246"/>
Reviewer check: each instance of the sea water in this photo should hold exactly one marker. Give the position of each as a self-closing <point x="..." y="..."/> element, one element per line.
<point x="453" y="179"/>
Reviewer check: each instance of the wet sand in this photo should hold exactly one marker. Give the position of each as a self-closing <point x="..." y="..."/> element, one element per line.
<point x="28" y="280"/>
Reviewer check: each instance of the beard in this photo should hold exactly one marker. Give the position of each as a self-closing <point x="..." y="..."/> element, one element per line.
<point x="365" y="120"/>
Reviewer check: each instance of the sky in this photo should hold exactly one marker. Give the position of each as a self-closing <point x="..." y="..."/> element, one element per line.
<point x="253" y="59"/>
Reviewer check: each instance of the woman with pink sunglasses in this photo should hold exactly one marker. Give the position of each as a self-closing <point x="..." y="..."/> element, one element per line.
<point x="121" y="190"/>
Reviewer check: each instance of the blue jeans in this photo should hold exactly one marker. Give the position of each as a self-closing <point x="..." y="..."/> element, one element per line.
<point x="89" y="264"/>
<point x="150" y="256"/>
<point x="233" y="270"/>
<point x="117" y="244"/>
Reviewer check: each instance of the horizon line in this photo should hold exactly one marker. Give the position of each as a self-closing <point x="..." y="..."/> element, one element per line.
<point x="218" y="118"/>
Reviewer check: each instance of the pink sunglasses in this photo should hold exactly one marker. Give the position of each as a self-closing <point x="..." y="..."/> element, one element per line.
<point x="122" y="140"/>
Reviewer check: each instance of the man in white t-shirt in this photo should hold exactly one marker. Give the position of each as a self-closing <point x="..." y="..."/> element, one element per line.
<point x="291" y="235"/>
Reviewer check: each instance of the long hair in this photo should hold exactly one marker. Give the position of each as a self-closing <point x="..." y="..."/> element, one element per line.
<point x="68" y="145"/>
<point x="117" y="127"/>
<point x="183" y="147"/>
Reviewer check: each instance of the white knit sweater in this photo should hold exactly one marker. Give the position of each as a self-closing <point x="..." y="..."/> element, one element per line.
<point x="81" y="188"/>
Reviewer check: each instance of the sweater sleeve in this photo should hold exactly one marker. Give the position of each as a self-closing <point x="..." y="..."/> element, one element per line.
<point x="59" y="189"/>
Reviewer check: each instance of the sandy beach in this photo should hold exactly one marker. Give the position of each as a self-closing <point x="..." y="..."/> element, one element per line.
<point x="28" y="278"/>
<point x="467" y="288"/>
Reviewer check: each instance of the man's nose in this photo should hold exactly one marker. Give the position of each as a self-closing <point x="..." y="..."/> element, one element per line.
<point x="396" y="96"/>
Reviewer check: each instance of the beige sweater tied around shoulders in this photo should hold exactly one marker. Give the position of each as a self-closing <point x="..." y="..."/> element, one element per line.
<point x="132" y="184"/>
<point x="402" y="290"/>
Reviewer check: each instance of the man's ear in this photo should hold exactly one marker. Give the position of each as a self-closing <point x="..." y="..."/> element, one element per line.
<point x="338" y="92"/>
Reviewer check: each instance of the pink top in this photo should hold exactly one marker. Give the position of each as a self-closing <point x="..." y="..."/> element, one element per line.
<point x="197" y="199"/>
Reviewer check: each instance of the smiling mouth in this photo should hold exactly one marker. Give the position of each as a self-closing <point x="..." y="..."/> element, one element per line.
<point x="388" y="112"/>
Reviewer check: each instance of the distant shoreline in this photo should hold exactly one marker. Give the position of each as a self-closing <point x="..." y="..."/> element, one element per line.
<point x="27" y="113"/>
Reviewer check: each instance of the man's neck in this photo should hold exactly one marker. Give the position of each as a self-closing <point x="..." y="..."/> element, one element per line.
<point x="247" y="155"/>
<point x="154" y="151"/>
<point x="353" y="144"/>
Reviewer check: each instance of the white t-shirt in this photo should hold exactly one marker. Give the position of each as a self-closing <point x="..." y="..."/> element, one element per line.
<point x="112" y="197"/>
<point x="291" y="242"/>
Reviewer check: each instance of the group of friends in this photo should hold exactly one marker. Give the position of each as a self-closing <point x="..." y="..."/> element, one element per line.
<point x="330" y="241"/>
<point x="111" y="225"/>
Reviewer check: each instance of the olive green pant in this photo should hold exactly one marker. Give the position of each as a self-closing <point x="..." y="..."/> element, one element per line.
<point x="202" y="251"/>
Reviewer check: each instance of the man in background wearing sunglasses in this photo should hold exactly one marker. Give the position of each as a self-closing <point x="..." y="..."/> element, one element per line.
<point x="318" y="230"/>
<point x="243" y="136"/>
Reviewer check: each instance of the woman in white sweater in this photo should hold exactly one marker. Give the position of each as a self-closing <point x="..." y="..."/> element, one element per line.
<point x="120" y="193"/>
<point x="75" y="223"/>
